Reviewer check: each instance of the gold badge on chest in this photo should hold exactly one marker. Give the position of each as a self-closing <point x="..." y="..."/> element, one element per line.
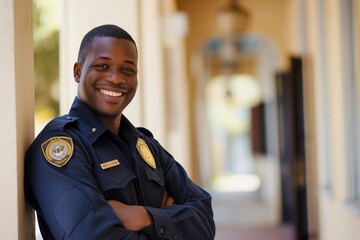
<point x="145" y="153"/>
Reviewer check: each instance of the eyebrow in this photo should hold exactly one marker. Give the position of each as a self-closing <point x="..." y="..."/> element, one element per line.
<point x="107" y="58"/>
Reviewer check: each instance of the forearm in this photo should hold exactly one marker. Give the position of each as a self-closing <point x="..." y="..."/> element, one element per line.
<point x="192" y="220"/>
<point x="134" y="218"/>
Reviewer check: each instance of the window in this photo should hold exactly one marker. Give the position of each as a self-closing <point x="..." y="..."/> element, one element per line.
<point x="351" y="84"/>
<point x="325" y="156"/>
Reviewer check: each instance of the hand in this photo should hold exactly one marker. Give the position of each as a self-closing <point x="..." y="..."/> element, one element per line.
<point x="167" y="200"/>
<point x="134" y="217"/>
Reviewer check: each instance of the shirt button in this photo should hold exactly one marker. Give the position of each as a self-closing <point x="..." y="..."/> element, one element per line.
<point x="162" y="230"/>
<point x="93" y="129"/>
<point x="119" y="180"/>
<point x="68" y="118"/>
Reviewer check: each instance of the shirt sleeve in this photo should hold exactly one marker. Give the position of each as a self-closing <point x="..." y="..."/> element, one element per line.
<point x="67" y="199"/>
<point x="191" y="217"/>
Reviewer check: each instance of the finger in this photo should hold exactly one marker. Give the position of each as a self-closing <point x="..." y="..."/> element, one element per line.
<point x="170" y="201"/>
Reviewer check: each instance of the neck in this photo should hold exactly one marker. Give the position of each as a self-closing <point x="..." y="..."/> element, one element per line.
<point x="112" y="124"/>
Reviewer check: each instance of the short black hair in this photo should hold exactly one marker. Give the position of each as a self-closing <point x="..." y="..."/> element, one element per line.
<point x="107" y="30"/>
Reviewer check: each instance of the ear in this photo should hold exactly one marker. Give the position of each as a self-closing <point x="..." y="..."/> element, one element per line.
<point x="77" y="72"/>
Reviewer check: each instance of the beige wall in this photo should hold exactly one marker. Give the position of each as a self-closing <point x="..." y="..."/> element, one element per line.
<point x="335" y="220"/>
<point x="17" y="118"/>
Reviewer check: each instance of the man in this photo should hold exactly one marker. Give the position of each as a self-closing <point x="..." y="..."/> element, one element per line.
<point x="92" y="175"/>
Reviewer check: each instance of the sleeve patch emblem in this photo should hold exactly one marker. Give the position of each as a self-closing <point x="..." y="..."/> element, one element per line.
<point x="145" y="153"/>
<point x="58" y="150"/>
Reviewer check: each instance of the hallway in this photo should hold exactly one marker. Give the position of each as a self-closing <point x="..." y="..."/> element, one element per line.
<point x="254" y="233"/>
<point x="245" y="216"/>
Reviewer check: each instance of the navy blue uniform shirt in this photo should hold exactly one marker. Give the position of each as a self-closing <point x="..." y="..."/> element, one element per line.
<point x="69" y="191"/>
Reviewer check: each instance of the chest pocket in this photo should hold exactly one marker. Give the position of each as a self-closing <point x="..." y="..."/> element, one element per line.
<point x="111" y="168"/>
<point x="115" y="178"/>
<point x="156" y="176"/>
<point x="152" y="183"/>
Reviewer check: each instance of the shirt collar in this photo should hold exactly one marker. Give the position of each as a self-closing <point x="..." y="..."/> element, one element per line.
<point x="92" y="127"/>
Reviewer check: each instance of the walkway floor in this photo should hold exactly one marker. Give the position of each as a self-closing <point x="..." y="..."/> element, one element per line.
<point x="241" y="216"/>
<point x="256" y="233"/>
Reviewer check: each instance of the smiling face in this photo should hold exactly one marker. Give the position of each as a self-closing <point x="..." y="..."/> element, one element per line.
<point x="107" y="77"/>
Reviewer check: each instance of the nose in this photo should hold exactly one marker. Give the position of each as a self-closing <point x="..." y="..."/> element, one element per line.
<point x="116" y="77"/>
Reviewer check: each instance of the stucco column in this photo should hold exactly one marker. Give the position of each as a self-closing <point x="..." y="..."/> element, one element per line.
<point x="17" y="115"/>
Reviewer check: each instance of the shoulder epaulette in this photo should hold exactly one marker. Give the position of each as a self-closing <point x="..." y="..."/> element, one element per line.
<point x="60" y="122"/>
<point x="145" y="131"/>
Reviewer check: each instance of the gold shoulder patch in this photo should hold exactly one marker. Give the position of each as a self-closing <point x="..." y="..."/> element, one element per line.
<point x="145" y="153"/>
<point x="58" y="150"/>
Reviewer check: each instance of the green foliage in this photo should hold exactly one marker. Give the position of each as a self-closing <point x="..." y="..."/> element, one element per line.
<point x="46" y="60"/>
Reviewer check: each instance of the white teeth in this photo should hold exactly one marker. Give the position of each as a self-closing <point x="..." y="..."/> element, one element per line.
<point x="110" y="93"/>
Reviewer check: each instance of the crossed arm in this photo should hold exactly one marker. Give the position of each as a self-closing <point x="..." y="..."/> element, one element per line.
<point x="134" y="217"/>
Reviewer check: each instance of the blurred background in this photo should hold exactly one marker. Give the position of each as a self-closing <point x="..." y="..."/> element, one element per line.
<point x="257" y="99"/>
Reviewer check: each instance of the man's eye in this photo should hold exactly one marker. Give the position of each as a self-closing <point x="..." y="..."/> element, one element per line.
<point x="128" y="70"/>
<point x="101" y="66"/>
